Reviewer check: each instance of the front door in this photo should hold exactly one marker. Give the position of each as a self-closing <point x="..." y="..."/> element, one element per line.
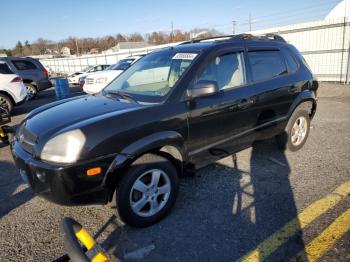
<point x="222" y="123"/>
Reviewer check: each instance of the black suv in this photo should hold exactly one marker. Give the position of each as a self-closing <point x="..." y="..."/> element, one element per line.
<point x="34" y="75"/>
<point x="172" y="112"/>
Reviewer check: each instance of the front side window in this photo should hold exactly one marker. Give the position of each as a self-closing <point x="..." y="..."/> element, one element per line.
<point x="227" y="70"/>
<point x="266" y="64"/>
<point x="4" y="69"/>
<point x="154" y="75"/>
<point x="23" y="65"/>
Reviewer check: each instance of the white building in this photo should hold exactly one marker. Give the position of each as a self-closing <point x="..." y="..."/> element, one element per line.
<point x="126" y="46"/>
<point x="65" y="51"/>
<point x="325" y="44"/>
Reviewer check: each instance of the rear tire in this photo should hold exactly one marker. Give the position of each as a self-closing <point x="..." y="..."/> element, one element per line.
<point x="6" y="102"/>
<point x="147" y="191"/>
<point x="296" y="132"/>
<point x="31" y="91"/>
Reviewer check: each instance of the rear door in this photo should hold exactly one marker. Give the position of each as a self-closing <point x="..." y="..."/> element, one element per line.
<point x="276" y="87"/>
<point x="222" y="123"/>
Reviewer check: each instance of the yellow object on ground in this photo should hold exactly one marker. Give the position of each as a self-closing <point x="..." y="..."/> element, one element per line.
<point x="85" y="238"/>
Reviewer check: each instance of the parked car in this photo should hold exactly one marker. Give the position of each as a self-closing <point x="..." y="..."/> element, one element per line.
<point x="12" y="89"/>
<point x="174" y="111"/>
<point x="94" y="83"/>
<point x="33" y="73"/>
<point x="74" y="78"/>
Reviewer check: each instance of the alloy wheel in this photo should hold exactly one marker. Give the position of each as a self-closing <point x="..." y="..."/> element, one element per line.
<point x="150" y="193"/>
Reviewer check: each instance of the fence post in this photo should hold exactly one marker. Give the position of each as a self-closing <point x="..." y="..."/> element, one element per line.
<point x="348" y="66"/>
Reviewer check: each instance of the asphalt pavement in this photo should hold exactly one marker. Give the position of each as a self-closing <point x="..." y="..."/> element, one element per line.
<point x="266" y="204"/>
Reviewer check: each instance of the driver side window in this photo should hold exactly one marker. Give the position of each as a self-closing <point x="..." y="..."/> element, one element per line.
<point x="227" y="70"/>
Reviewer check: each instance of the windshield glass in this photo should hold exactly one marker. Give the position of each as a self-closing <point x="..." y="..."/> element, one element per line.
<point x="121" y="65"/>
<point x="154" y="75"/>
<point x="87" y="68"/>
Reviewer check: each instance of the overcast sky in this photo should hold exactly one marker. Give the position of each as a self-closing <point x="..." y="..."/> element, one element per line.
<point x="56" y="20"/>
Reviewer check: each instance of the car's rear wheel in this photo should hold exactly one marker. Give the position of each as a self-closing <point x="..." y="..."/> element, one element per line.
<point x="296" y="132"/>
<point x="31" y="91"/>
<point x="6" y="102"/>
<point x="147" y="191"/>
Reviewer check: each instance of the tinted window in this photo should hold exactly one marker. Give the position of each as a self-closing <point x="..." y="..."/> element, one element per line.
<point x="23" y="65"/>
<point x="226" y="70"/>
<point x="292" y="64"/>
<point x="4" y="69"/>
<point x="266" y="64"/>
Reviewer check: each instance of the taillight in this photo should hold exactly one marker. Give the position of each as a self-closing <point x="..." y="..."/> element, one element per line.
<point x="45" y="72"/>
<point x="16" y="79"/>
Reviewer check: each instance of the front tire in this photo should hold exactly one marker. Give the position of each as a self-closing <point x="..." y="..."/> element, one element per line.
<point x="296" y="132"/>
<point x="147" y="191"/>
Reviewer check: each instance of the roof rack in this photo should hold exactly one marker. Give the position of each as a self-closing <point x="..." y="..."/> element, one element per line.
<point x="274" y="37"/>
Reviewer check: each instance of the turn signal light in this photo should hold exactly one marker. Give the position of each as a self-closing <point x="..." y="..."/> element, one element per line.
<point x="94" y="171"/>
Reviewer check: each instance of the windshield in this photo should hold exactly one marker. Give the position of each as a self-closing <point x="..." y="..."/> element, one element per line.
<point x="121" y="65"/>
<point x="154" y="75"/>
<point x="87" y="68"/>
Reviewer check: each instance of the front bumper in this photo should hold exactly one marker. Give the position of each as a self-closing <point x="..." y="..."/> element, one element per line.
<point x="65" y="185"/>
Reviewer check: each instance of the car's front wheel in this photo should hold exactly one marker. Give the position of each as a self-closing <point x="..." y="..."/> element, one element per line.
<point x="147" y="191"/>
<point x="296" y="132"/>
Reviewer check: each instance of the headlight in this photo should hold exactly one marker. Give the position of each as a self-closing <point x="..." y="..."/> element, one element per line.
<point x="101" y="80"/>
<point x="64" y="148"/>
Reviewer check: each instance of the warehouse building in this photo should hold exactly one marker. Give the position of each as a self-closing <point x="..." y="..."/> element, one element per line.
<point x="325" y="44"/>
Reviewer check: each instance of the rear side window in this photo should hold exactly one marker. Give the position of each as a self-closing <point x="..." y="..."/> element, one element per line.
<point x="292" y="64"/>
<point x="266" y="64"/>
<point x="4" y="69"/>
<point x="23" y="65"/>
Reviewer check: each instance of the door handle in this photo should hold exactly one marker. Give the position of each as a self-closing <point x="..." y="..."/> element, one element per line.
<point x="294" y="89"/>
<point x="245" y="102"/>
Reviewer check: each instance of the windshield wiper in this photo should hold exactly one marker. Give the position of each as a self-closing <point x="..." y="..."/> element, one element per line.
<point x="122" y="95"/>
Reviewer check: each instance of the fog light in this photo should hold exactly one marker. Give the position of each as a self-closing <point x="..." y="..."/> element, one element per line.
<point x="41" y="176"/>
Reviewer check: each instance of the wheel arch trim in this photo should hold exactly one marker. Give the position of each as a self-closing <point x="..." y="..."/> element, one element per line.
<point x="168" y="142"/>
<point x="305" y="96"/>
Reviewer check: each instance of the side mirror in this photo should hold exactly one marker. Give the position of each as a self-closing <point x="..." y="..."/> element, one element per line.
<point x="203" y="88"/>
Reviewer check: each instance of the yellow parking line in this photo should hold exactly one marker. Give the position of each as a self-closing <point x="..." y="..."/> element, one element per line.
<point x="317" y="208"/>
<point x="321" y="244"/>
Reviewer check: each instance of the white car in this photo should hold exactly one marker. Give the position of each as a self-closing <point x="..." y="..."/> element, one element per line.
<point x="12" y="89"/>
<point x="94" y="83"/>
<point x="74" y="78"/>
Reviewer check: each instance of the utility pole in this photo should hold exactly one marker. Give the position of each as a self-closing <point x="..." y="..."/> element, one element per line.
<point x="172" y="31"/>
<point x="233" y="27"/>
<point x="250" y="22"/>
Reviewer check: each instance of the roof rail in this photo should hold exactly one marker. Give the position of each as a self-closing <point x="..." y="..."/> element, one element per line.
<point x="239" y="37"/>
<point x="204" y="39"/>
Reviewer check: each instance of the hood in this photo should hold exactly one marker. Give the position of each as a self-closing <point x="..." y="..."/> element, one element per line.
<point x="106" y="73"/>
<point x="63" y="114"/>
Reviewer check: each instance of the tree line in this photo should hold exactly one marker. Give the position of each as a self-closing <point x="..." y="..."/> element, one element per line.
<point x="80" y="46"/>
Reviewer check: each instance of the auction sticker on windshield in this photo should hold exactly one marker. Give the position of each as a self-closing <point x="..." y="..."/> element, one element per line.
<point x="185" y="56"/>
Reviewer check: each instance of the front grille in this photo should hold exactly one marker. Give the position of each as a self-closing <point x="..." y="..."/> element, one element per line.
<point x="27" y="139"/>
<point x="89" y="81"/>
